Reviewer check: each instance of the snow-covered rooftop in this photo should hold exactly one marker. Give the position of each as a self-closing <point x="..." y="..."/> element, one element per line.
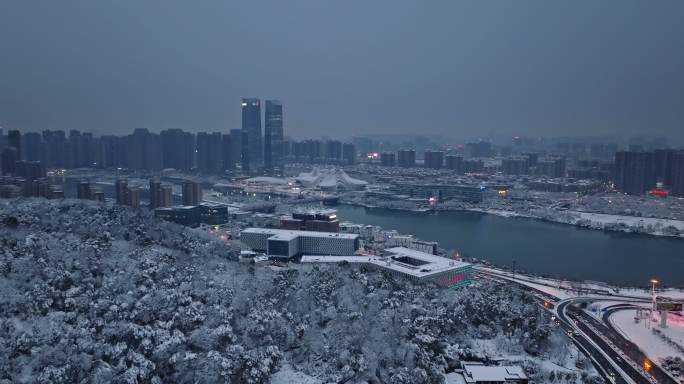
<point x="478" y="373"/>
<point x="266" y="180"/>
<point x="287" y="232"/>
<point x="329" y="179"/>
<point x="429" y="264"/>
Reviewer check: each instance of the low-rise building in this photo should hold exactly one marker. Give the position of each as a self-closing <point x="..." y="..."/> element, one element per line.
<point x="411" y="242"/>
<point x="478" y="373"/>
<point x="312" y="220"/>
<point x="441" y="192"/>
<point x="213" y="213"/>
<point x="286" y="244"/>
<point x="418" y="266"/>
<point x="183" y="214"/>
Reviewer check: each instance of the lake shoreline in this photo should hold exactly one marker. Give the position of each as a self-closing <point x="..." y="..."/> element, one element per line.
<point x="618" y="224"/>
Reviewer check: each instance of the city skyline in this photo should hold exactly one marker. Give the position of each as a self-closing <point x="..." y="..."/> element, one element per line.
<point x="319" y="192"/>
<point x="461" y="70"/>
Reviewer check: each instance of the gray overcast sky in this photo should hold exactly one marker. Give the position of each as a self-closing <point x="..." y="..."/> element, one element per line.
<point x="461" y="69"/>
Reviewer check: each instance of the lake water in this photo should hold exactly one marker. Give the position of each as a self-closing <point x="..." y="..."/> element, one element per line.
<point x="549" y="249"/>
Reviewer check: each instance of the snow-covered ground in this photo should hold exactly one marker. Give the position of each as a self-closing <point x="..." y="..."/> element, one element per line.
<point x="653" y="345"/>
<point x="499" y="212"/>
<point x="288" y="375"/>
<point x="638" y="224"/>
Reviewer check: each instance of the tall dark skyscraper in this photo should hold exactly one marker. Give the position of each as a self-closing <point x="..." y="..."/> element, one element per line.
<point x="251" y="134"/>
<point x="273" y="135"/>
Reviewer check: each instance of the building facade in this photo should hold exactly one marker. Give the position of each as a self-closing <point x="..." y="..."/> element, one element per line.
<point x="273" y="135"/>
<point x="281" y="243"/>
<point x="251" y="134"/>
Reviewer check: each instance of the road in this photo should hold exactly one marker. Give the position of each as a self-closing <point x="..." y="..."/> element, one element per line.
<point x="613" y="356"/>
<point x="610" y="346"/>
<point x="629" y="348"/>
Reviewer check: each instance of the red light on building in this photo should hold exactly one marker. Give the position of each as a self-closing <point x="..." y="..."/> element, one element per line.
<point x="658" y="192"/>
<point x="450" y="279"/>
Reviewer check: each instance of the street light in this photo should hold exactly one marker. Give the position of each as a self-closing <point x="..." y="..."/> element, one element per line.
<point x="653" y="299"/>
<point x="647" y="365"/>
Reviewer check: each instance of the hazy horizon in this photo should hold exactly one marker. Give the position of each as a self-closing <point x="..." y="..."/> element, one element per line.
<point x="455" y="69"/>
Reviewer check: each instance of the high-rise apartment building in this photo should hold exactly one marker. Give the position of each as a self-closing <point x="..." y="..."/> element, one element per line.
<point x="165" y="196"/>
<point x="33" y="146"/>
<point x="84" y="190"/>
<point x="235" y="153"/>
<point x="333" y="151"/>
<point x="121" y="191"/>
<point x="635" y="171"/>
<point x="226" y="156"/>
<point x="133" y="197"/>
<point x="209" y="154"/>
<point x="517" y="165"/>
<point x="551" y="167"/>
<point x="192" y="193"/>
<point x="8" y="160"/>
<point x="178" y="149"/>
<point x="349" y="153"/>
<point x="155" y="192"/>
<point x="454" y="163"/>
<point x="479" y="149"/>
<point x="55" y="143"/>
<point x="388" y="159"/>
<point x="406" y="158"/>
<point x="14" y="140"/>
<point x="433" y="159"/>
<point x="677" y="174"/>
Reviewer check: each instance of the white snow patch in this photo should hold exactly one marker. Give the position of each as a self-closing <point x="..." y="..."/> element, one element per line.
<point x="287" y="375"/>
<point x="650" y="343"/>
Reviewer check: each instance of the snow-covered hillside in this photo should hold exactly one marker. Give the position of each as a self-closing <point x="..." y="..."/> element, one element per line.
<point x="94" y="293"/>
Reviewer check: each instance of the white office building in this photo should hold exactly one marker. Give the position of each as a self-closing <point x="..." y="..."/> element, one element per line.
<point x="282" y="243"/>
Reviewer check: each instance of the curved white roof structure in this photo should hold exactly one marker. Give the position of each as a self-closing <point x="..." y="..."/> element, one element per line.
<point x="266" y="180"/>
<point x="330" y="179"/>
